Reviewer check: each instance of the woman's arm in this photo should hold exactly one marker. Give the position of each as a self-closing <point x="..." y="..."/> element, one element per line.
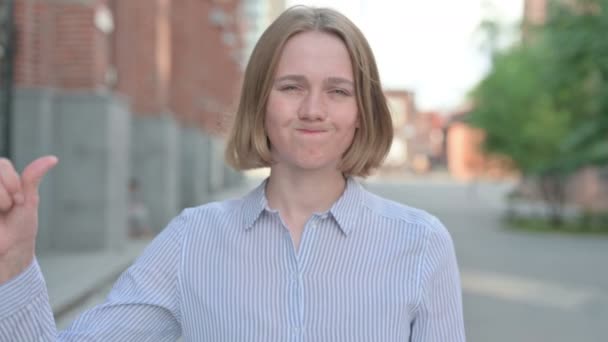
<point x="142" y="306"/>
<point x="439" y="316"/>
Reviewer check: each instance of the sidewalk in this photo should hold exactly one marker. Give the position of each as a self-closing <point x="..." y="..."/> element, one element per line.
<point x="73" y="278"/>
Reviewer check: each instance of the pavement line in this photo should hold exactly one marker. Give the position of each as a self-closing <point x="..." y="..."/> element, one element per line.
<point x="528" y="290"/>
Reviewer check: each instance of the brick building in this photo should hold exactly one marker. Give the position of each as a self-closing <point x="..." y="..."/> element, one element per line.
<point x="418" y="143"/>
<point x="427" y="144"/>
<point x="122" y="90"/>
<point x="464" y="153"/>
<point x="403" y="110"/>
<point x="535" y="11"/>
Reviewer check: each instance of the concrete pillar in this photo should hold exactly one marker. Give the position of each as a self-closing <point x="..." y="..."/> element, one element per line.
<point x="91" y="138"/>
<point x="195" y="155"/>
<point x="217" y="165"/>
<point x="155" y="165"/>
<point x="32" y="138"/>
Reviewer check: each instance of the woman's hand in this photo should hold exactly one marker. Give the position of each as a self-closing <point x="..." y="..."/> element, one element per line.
<point x="19" y="200"/>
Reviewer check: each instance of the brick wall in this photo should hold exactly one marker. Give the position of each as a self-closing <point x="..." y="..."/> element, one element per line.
<point x="428" y="139"/>
<point x="205" y="75"/>
<point x="165" y="55"/>
<point x="466" y="159"/>
<point x="59" y="46"/>
<point x="141" y="53"/>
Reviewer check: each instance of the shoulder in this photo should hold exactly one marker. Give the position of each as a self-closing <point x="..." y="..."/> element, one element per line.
<point x="221" y="215"/>
<point x="423" y="224"/>
<point x="209" y="212"/>
<point x="396" y="211"/>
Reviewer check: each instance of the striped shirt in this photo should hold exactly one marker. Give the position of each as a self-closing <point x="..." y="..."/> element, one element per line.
<point x="368" y="269"/>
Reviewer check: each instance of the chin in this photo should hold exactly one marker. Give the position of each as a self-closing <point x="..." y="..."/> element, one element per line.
<point x="316" y="165"/>
<point x="310" y="163"/>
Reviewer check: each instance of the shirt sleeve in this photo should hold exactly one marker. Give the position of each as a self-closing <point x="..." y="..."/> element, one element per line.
<point x="25" y="311"/>
<point x="143" y="305"/>
<point x="439" y="316"/>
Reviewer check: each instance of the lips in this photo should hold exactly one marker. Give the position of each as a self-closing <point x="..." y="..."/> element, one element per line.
<point x="310" y="131"/>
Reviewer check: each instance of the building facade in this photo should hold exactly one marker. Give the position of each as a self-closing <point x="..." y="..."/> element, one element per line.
<point x="123" y="90"/>
<point x="403" y="111"/>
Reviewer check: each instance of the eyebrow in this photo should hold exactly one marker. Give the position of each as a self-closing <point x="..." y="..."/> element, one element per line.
<point x="340" y="80"/>
<point x="297" y="78"/>
<point x="329" y="80"/>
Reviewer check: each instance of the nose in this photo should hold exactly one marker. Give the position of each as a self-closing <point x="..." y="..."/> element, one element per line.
<point x="313" y="107"/>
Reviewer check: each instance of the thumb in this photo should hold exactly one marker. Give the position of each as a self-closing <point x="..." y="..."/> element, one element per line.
<point x="32" y="176"/>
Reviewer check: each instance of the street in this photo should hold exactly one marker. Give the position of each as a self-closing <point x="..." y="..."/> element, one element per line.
<point x="517" y="286"/>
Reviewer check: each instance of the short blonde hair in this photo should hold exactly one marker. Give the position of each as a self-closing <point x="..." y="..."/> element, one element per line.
<point x="248" y="146"/>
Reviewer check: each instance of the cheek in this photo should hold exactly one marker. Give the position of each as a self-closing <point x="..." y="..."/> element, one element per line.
<point x="278" y="113"/>
<point x="347" y="133"/>
<point x="351" y="121"/>
<point x="354" y="126"/>
<point x="270" y="132"/>
<point x="350" y="114"/>
<point x="272" y="127"/>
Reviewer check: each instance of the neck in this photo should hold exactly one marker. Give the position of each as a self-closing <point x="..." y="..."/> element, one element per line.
<point x="302" y="193"/>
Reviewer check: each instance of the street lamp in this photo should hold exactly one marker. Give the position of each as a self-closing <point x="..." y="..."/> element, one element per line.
<point x="7" y="53"/>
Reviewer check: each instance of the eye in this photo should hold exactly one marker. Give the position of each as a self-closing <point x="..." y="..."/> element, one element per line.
<point x="341" y="92"/>
<point x="289" y="88"/>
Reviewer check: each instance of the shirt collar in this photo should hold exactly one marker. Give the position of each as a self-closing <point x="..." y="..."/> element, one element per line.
<point x="345" y="210"/>
<point x="348" y="207"/>
<point x="254" y="203"/>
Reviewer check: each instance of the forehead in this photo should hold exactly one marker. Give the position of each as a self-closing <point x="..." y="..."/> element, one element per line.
<point x="315" y="53"/>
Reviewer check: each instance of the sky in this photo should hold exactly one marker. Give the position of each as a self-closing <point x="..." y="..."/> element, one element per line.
<point x="428" y="46"/>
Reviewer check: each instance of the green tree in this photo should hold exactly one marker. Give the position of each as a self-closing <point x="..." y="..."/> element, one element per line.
<point x="545" y="102"/>
<point x="522" y="121"/>
<point x="575" y="39"/>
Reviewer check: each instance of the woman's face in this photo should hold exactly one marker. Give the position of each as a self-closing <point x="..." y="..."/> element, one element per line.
<point x="311" y="115"/>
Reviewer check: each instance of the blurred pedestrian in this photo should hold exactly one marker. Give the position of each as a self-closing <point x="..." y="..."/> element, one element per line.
<point x="309" y="255"/>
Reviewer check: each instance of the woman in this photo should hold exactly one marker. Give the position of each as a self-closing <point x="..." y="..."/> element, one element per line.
<point x="309" y="255"/>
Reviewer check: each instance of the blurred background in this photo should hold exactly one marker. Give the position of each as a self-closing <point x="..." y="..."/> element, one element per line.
<point x="500" y="111"/>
